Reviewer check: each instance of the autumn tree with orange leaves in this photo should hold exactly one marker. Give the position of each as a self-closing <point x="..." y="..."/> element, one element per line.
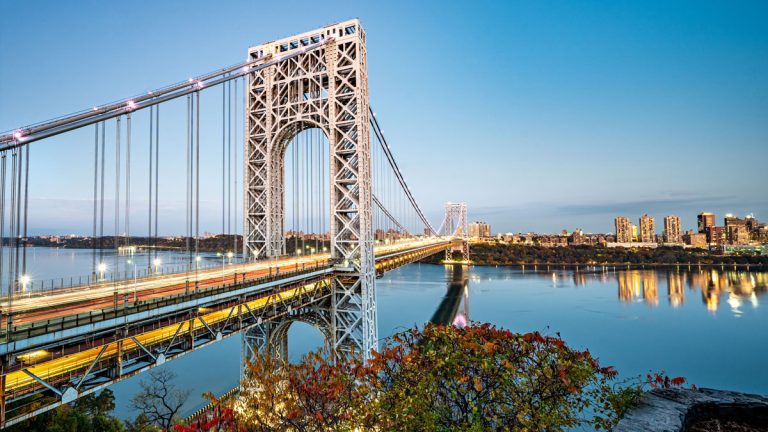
<point x="439" y="378"/>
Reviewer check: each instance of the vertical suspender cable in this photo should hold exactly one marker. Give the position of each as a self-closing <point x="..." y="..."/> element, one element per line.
<point x="157" y="170"/>
<point x="295" y="209"/>
<point x="26" y="210"/>
<point x="223" y="156"/>
<point x="116" y="270"/>
<point x="151" y="173"/>
<point x="234" y="176"/>
<point x="197" y="174"/>
<point x="17" y="243"/>
<point x="95" y="195"/>
<point x="229" y="157"/>
<point x="2" y="245"/>
<point x="128" y="179"/>
<point x="101" y="201"/>
<point x="310" y="178"/>
<point x="12" y="240"/>
<point x="189" y="156"/>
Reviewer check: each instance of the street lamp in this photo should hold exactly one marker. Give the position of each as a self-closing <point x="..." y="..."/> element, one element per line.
<point x="157" y="263"/>
<point x="24" y="281"/>
<point x="102" y="269"/>
<point x="134" y="278"/>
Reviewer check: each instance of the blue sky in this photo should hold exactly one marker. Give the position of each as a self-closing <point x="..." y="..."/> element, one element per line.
<point x="540" y="115"/>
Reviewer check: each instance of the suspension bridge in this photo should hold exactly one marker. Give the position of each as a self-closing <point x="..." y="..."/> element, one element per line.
<point x="325" y="210"/>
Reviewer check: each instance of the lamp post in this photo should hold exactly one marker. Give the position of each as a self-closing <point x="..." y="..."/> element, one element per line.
<point x="134" y="278"/>
<point x="102" y="270"/>
<point x="198" y="258"/>
<point x="157" y="263"/>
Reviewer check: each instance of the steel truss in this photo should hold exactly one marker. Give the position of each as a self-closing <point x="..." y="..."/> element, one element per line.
<point x="127" y="355"/>
<point x="326" y="88"/>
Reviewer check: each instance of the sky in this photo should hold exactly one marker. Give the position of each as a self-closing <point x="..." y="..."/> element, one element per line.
<point x="541" y="116"/>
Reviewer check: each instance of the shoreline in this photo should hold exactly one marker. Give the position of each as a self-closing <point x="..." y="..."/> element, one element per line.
<point x="628" y="266"/>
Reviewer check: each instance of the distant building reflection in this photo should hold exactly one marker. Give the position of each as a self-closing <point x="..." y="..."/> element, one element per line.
<point x="735" y="288"/>
<point x="675" y="289"/>
<point x="636" y="284"/>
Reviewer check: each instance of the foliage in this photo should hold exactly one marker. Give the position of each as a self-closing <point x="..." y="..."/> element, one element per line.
<point x="140" y="424"/>
<point x="660" y="380"/>
<point x="159" y="400"/>
<point x="90" y="413"/>
<point x="314" y="395"/>
<point x="439" y="378"/>
<point x="485" y="378"/>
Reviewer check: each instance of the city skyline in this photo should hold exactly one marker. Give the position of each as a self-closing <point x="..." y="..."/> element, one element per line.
<point x="617" y="83"/>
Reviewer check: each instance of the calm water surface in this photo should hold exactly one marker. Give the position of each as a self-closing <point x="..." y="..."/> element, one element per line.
<point x="707" y="325"/>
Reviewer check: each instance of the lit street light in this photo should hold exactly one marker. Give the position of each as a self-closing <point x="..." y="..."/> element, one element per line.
<point x="102" y="270"/>
<point x="134" y="278"/>
<point x="25" y="279"/>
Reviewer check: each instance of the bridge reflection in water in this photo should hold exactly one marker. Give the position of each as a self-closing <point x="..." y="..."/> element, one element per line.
<point x="454" y="308"/>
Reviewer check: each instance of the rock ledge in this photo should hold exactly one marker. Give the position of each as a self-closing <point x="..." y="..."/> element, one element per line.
<point x="675" y="410"/>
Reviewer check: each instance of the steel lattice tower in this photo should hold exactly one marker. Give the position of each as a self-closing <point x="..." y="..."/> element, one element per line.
<point x="325" y="88"/>
<point x="455" y="223"/>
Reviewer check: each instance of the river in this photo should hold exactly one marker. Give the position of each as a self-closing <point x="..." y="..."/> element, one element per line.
<point x="708" y="325"/>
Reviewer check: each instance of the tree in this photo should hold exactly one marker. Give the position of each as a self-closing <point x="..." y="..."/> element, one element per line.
<point x="443" y="378"/>
<point x="159" y="400"/>
<point x="90" y="413"/>
<point x="439" y="378"/>
<point x="140" y="424"/>
<point x="313" y="395"/>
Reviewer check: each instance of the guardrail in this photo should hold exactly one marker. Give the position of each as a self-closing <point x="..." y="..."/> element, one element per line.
<point x="195" y="292"/>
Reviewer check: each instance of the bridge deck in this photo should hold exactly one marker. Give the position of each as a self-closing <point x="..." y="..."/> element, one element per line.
<point x="77" y="333"/>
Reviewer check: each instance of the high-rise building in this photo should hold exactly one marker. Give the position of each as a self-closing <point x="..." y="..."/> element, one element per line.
<point x="672" y="231"/>
<point x="577" y="238"/>
<point x="706" y="220"/>
<point x="736" y="230"/>
<point x="694" y="239"/>
<point x="753" y="226"/>
<point x="647" y="229"/>
<point x="716" y="235"/>
<point x="623" y="229"/>
<point x="479" y="229"/>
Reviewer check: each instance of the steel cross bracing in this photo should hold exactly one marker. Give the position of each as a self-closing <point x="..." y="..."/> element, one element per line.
<point x="327" y="89"/>
<point x="455" y="224"/>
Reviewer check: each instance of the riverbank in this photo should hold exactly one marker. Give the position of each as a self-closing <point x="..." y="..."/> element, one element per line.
<point x="501" y="254"/>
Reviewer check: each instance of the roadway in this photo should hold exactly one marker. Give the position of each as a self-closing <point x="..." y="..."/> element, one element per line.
<point x="57" y="304"/>
<point x="34" y="307"/>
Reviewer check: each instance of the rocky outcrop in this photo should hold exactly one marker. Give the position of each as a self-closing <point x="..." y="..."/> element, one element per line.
<point x="680" y="410"/>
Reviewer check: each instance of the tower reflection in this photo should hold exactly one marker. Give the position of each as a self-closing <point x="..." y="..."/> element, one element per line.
<point x="454" y="307"/>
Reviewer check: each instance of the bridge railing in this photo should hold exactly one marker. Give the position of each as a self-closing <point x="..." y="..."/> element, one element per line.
<point x="71" y="283"/>
<point x="194" y="290"/>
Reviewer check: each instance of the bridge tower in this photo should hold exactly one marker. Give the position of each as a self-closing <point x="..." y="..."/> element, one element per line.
<point x="456" y="224"/>
<point x="325" y="88"/>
